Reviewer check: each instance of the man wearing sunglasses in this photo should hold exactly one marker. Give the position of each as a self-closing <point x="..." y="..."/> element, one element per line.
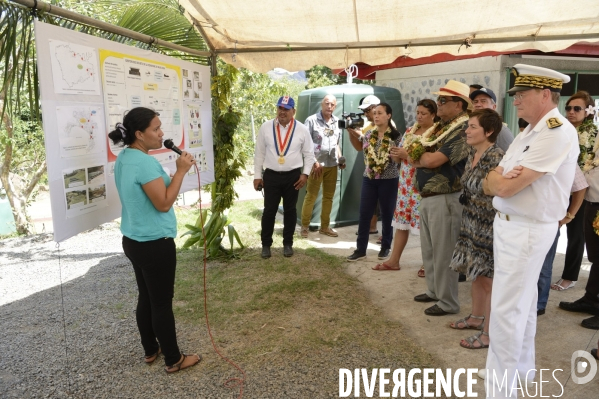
<point x="531" y="186"/>
<point x="438" y="174"/>
<point x="485" y="98"/>
<point x="283" y="159"/>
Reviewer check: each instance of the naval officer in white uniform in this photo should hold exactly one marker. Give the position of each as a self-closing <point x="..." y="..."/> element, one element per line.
<point x="531" y="186"/>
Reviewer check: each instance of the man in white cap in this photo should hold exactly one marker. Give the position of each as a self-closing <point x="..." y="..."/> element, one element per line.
<point x="438" y="174"/>
<point x="531" y="186"/>
<point x="283" y="159"/>
<point x="485" y="98"/>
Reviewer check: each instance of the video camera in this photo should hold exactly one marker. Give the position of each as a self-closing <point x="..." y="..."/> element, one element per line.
<point x="351" y="120"/>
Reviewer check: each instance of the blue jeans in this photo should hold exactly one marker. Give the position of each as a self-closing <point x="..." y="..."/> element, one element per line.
<point x="383" y="191"/>
<point x="544" y="283"/>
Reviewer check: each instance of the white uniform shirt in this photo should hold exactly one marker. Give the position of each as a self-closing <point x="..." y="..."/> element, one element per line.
<point x="300" y="154"/>
<point x="550" y="151"/>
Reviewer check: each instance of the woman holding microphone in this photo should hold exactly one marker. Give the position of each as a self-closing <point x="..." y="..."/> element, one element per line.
<point x="149" y="226"/>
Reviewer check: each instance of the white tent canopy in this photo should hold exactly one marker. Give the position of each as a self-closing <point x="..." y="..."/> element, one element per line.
<point x="260" y="35"/>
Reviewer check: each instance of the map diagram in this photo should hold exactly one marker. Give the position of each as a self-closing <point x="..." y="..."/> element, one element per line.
<point x="80" y="130"/>
<point x="75" y="68"/>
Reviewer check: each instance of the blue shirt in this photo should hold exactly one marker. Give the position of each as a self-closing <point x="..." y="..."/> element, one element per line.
<point x="140" y="220"/>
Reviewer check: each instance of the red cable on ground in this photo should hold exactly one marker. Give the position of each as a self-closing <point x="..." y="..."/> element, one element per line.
<point x="239" y="381"/>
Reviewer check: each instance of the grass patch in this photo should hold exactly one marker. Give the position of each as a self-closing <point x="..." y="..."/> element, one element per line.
<point x="281" y="309"/>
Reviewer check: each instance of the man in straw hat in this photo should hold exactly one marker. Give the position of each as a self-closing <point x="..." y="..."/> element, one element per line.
<point x="438" y="176"/>
<point x="531" y="186"/>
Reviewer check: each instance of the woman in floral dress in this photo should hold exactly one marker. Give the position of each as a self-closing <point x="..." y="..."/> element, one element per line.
<point x="473" y="253"/>
<point x="406" y="217"/>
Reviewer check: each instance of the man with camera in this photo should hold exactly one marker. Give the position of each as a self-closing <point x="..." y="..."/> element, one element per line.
<point x="325" y="132"/>
<point x="285" y="151"/>
<point x="438" y="173"/>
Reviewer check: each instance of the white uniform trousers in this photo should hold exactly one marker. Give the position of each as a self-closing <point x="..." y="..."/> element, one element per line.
<point x="519" y="249"/>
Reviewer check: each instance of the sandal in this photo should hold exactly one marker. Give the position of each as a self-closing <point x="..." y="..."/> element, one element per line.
<point x="179" y="366"/>
<point x="470" y="341"/>
<point x="466" y="325"/>
<point x="383" y="266"/>
<point x="151" y="358"/>
<point x="421" y="272"/>
<point x="379" y="240"/>
<point x="559" y="287"/>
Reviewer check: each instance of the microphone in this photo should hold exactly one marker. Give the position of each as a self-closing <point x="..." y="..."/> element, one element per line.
<point x="168" y="143"/>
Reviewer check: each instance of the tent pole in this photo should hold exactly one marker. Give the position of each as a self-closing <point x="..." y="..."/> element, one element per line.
<point x="61" y="12"/>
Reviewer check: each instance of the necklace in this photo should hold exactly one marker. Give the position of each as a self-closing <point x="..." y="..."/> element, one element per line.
<point x="430" y="137"/>
<point x="377" y="160"/>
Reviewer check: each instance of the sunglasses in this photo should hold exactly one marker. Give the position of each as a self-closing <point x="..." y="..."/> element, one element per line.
<point x="576" y="108"/>
<point x="445" y="100"/>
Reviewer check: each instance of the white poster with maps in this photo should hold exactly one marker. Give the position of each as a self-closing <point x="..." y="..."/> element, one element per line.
<point x="74" y="68"/>
<point x="131" y="82"/>
<point x="80" y="130"/>
<point x="84" y="190"/>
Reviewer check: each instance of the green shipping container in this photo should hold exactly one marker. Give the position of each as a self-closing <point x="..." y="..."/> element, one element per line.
<point x="346" y="203"/>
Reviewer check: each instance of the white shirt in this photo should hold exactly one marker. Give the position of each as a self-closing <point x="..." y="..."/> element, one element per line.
<point x="300" y="154"/>
<point x="550" y="151"/>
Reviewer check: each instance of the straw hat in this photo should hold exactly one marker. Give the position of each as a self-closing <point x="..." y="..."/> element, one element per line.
<point x="457" y="89"/>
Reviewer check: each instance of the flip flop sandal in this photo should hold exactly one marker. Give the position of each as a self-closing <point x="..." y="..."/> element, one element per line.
<point x="421" y="272"/>
<point x="468" y="326"/>
<point x="178" y="366"/>
<point x="370" y="232"/>
<point x="558" y="285"/>
<point x="380" y="240"/>
<point x="383" y="267"/>
<point x="151" y="358"/>
<point x="476" y="337"/>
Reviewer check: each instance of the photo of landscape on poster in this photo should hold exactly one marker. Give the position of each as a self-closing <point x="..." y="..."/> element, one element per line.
<point x="130" y="82"/>
<point x="74" y="68"/>
<point x="84" y="190"/>
<point x="80" y="130"/>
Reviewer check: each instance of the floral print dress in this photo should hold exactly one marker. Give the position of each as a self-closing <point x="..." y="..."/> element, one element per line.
<point x="406" y="215"/>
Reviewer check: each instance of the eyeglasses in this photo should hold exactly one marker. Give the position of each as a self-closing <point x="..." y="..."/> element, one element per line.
<point x="576" y="108"/>
<point x="518" y="97"/>
<point x="444" y="100"/>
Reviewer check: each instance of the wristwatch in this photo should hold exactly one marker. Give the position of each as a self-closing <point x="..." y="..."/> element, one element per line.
<point x="569" y="215"/>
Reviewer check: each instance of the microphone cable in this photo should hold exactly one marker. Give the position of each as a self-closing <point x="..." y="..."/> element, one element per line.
<point x="233" y="381"/>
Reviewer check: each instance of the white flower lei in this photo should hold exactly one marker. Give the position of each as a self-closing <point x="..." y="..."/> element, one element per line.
<point x="446" y="130"/>
<point x="587" y="139"/>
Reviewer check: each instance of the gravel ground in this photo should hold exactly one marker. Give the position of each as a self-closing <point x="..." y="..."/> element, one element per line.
<point x="101" y="356"/>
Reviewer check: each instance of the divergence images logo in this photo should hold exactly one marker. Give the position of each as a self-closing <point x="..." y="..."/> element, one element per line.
<point x="582" y="366"/>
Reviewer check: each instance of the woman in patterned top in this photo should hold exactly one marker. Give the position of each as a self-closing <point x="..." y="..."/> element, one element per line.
<point x="379" y="183"/>
<point x="473" y="254"/>
<point x="406" y="218"/>
<point x="580" y="113"/>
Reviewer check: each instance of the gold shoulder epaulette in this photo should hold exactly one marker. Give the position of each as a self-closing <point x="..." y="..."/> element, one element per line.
<point x="553" y="123"/>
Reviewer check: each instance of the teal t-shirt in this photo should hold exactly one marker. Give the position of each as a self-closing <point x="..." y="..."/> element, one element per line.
<point x="140" y="220"/>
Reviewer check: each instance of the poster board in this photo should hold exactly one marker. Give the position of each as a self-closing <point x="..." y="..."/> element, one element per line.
<point x="87" y="84"/>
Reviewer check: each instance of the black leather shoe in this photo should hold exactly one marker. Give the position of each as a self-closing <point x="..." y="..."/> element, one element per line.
<point x="462" y="278"/>
<point x="423" y="298"/>
<point x="265" y="253"/>
<point x="591" y="323"/>
<point x="355" y="256"/>
<point x="384" y="253"/>
<point x="540" y="312"/>
<point x="287" y="251"/>
<point x="594" y="353"/>
<point x="435" y="310"/>
<point x="580" y="306"/>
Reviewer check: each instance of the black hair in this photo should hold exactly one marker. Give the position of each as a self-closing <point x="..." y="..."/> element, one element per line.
<point x="464" y="102"/>
<point x="431" y="106"/>
<point x="136" y="119"/>
<point x="394" y="132"/>
<point x="522" y="123"/>
<point x="476" y="86"/>
<point x="584" y="96"/>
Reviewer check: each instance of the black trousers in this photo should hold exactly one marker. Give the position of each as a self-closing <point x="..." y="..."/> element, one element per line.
<point x="277" y="186"/>
<point x="154" y="264"/>
<point x="575" y="248"/>
<point x="592" y="241"/>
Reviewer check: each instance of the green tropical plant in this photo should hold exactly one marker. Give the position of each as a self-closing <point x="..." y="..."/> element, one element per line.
<point x="210" y="232"/>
